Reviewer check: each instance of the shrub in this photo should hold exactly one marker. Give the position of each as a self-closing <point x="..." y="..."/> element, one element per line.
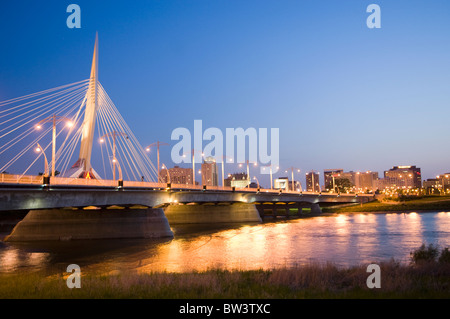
<point x="445" y="256"/>
<point x="425" y="254"/>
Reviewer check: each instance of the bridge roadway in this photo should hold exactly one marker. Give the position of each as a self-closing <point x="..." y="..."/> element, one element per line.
<point x="33" y="197"/>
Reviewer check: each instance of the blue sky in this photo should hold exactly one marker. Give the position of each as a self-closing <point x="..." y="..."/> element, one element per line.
<point x="343" y="95"/>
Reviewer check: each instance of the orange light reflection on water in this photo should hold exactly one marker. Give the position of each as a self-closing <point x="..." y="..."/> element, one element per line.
<point x="343" y="239"/>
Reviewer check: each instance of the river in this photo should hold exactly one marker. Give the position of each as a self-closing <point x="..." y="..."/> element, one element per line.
<point x="346" y="240"/>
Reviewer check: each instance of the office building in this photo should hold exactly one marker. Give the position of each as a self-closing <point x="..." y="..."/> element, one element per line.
<point x="402" y="177"/>
<point x="367" y="181"/>
<point x="177" y="175"/>
<point x="312" y="182"/>
<point x="238" y="180"/>
<point x="444" y="181"/>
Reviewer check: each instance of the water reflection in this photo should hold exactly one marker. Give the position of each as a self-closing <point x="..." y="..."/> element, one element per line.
<point x="343" y="239"/>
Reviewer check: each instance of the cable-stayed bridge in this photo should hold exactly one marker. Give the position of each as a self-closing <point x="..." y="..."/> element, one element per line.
<point x="75" y="113"/>
<point x="82" y="128"/>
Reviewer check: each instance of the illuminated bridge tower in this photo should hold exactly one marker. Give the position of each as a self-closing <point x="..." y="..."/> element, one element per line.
<point x="82" y="167"/>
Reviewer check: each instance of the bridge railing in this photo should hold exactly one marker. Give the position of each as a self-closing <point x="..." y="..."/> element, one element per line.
<point x="81" y="181"/>
<point x="20" y="179"/>
<point x="38" y="180"/>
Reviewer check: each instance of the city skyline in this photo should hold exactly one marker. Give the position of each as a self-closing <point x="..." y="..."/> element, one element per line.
<point x="342" y="95"/>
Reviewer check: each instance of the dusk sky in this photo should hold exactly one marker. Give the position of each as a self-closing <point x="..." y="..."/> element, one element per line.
<point x="342" y="95"/>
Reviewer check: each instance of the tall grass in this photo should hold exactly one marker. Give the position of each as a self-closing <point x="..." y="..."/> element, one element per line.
<point x="430" y="280"/>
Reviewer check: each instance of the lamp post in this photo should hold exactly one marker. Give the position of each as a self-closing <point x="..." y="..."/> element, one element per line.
<point x="39" y="149"/>
<point x="292" y="176"/>
<point x="118" y="167"/>
<point x="158" y="144"/>
<point x="54" y="120"/>
<point x="193" y="165"/>
<point x="168" y="173"/>
<point x="224" y="158"/>
<point x="248" y="171"/>
<point x="271" y="179"/>
<point x="114" y="134"/>
<point x="257" y="182"/>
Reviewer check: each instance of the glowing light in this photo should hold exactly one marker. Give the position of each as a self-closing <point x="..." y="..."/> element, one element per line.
<point x="38" y="127"/>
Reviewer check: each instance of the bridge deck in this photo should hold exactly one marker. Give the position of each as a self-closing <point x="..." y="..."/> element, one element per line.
<point x="36" y="196"/>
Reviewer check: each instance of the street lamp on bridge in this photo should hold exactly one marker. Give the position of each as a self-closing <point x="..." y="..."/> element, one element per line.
<point x="39" y="149"/>
<point x="248" y="171"/>
<point x="256" y="179"/>
<point x="292" y="175"/>
<point x="193" y="164"/>
<point x="157" y="144"/>
<point x="169" y="180"/>
<point x="54" y="120"/>
<point x="271" y="179"/>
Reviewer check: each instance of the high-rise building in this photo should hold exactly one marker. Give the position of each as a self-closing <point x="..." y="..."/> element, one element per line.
<point x="312" y="182"/>
<point x="177" y="175"/>
<point x="210" y="174"/>
<point x="403" y="177"/>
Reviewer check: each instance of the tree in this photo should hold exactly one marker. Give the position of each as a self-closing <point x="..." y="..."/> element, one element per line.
<point x="343" y="185"/>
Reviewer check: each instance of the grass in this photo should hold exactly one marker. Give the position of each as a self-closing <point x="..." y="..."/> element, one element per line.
<point x="424" y="280"/>
<point x="433" y="203"/>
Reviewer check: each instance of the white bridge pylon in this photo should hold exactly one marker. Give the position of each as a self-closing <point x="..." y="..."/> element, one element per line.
<point x="82" y="167"/>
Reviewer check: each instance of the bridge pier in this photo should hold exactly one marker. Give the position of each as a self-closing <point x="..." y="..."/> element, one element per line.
<point x="315" y="209"/>
<point x="64" y="224"/>
<point x="210" y="214"/>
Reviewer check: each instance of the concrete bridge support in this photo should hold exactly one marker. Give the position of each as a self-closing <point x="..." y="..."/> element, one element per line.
<point x="64" y="224"/>
<point x="315" y="209"/>
<point x="211" y="214"/>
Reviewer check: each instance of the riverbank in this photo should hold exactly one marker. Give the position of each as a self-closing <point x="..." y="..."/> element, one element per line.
<point x="435" y="204"/>
<point x="430" y="280"/>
